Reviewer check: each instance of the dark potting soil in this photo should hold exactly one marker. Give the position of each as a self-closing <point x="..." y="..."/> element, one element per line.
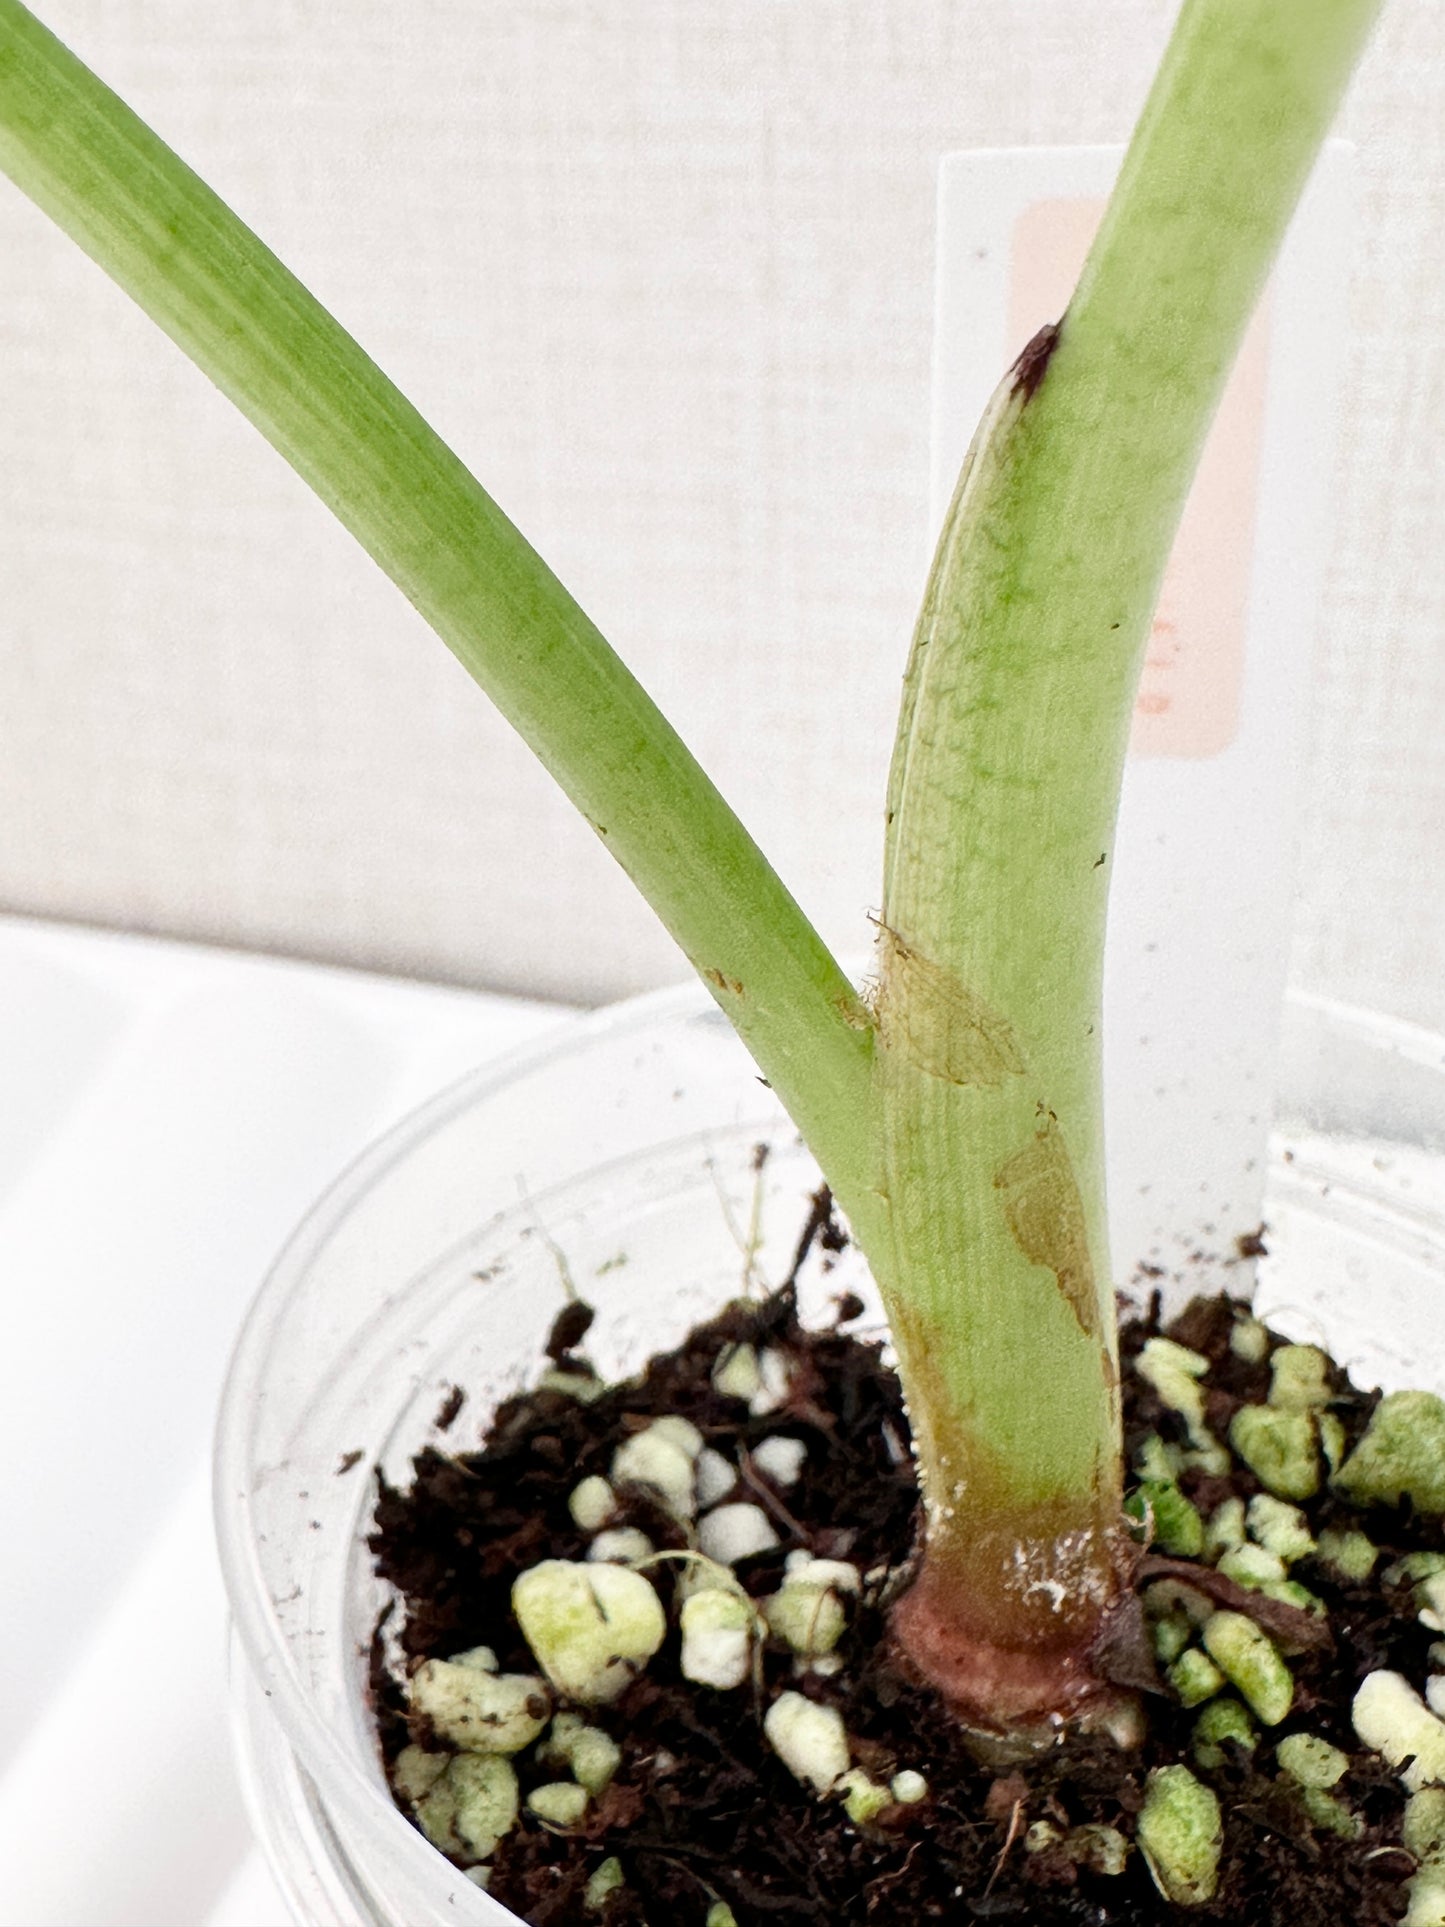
<point x="701" y="1809"/>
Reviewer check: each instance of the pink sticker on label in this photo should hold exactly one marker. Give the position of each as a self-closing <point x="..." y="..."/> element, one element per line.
<point x="1189" y="695"/>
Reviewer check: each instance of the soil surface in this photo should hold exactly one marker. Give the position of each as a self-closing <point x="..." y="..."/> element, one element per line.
<point x="701" y="1810"/>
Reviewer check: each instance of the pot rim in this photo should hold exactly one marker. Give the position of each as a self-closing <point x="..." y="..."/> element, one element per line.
<point x="321" y="1750"/>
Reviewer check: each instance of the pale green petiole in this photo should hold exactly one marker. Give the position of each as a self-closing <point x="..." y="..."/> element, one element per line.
<point x="1004" y="794"/>
<point x="962" y="1132"/>
<point x="244" y="319"/>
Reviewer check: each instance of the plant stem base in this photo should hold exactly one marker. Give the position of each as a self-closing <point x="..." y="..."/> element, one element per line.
<point x="701" y="1809"/>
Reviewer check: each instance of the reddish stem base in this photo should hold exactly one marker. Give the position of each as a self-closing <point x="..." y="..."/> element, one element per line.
<point x="1078" y="1672"/>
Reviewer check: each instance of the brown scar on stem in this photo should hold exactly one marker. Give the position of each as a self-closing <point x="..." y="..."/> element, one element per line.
<point x="1033" y="363"/>
<point x="720" y="981"/>
<point x="855" y="1011"/>
<point x="1045" y="1213"/>
<point x="929" y="1013"/>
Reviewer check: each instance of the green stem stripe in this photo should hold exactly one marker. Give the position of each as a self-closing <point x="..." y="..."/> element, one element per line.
<point x="71" y="145"/>
<point x="1007" y="773"/>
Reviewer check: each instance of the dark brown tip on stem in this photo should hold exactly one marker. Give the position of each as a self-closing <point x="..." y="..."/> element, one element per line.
<point x="569" y="1328"/>
<point x="1033" y="364"/>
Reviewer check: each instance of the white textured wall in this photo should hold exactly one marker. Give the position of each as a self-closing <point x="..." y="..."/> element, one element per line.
<point x="661" y="269"/>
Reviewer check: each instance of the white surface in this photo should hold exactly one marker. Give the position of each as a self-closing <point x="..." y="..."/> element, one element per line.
<point x="170" y="1113"/>
<point x="661" y="269"/>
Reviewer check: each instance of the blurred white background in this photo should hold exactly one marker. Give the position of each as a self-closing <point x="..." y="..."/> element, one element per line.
<point x="662" y="270"/>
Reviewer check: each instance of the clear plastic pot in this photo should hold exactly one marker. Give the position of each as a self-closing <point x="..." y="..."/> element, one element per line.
<point x="622" y="1157"/>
